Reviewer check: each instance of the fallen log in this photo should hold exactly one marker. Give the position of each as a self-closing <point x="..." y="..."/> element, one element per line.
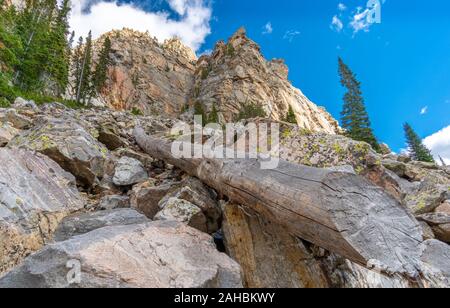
<point x="341" y="212"/>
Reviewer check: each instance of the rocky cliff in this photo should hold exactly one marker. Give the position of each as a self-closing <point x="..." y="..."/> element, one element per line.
<point x="152" y="77"/>
<point x="130" y="220"/>
<point x="167" y="78"/>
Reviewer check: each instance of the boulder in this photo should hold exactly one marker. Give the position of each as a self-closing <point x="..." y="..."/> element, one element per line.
<point x="149" y="255"/>
<point x="439" y="223"/>
<point x="444" y="208"/>
<point x="428" y="233"/>
<point x="195" y="192"/>
<point x="79" y="224"/>
<point x="145" y="197"/>
<point x="427" y="198"/>
<point x="182" y="211"/>
<point x="68" y="143"/>
<point x="110" y="137"/>
<point x="16" y="119"/>
<point x="21" y="103"/>
<point x="114" y="202"/>
<point x="35" y="194"/>
<point x="7" y="133"/>
<point x="397" y="167"/>
<point x="435" y="265"/>
<point x="129" y="171"/>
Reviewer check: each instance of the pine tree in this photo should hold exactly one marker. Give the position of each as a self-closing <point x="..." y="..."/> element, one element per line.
<point x="101" y="70"/>
<point x="10" y="49"/>
<point x="290" y="117"/>
<point x="34" y="26"/>
<point x="355" y="119"/>
<point x="84" y="88"/>
<point x="76" y="64"/>
<point x="214" y="115"/>
<point x="416" y="147"/>
<point x="58" y="63"/>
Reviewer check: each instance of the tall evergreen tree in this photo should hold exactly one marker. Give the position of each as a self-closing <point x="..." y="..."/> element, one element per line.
<point x="101" y="70"/>
<point x="76" y="64"/>
<point x="355" y="119"/>
<point x="290" y="117"/>
<point x="34" y="26"/>
<point x="416" y="147"/>
<point x="84" y="88"/>
<point x="59" y="58"/>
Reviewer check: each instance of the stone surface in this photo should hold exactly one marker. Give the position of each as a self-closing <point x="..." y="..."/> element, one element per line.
<point x="79" y="224"/>
<point x="152" y="255"/>
<point x="439" y="223"/>
<point x="195" y="192"/>
<point x="21" y="103"/>
<point x="16" y="119"/>
<point x="427" y="198"/>
<point x="35" y="194"/>
<point x="145" y="197"/>
<point x="428" y="233"/>
<point x="237" y="73"/>
<point x="182" y="211"/>
<point x="66" y="141"/>
<point x="268" y="255"/>
<point x="444" y="208"/>
<point x="145" y="74"/>
<point x="114" y="202"/>
<point x="436" y="264"/>
<point x="7" y="133"/>
<point x="129" y="171"/>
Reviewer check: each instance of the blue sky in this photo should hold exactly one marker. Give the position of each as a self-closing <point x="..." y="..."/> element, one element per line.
<point x="403" y="62"/>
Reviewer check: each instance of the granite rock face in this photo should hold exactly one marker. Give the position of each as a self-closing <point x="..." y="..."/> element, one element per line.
<point x="167" y="78"/>
<point x="70" y="144"/>
<point x="149" y="76"/>
<point x="129" y="171"/>
<point x="236" y="73"/>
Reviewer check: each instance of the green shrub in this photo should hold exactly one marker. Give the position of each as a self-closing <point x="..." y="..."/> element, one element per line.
<point x="251" y="110"/>
<point x="230" y="50"/>
<point x="290" y="117"/>
<point x="199" y="110"/>
<point x="205" y="72"/>
<point x="214" y="115"/>
<point x="136" y="111"/>
<point x="4" y="103"/>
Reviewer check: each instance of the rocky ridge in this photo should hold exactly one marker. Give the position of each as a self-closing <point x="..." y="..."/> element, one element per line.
<point x="52" y="221"/>
<point x="167" y="78"/>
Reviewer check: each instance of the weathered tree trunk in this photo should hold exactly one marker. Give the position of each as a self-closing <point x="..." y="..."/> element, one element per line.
<point x="341" y="212"/>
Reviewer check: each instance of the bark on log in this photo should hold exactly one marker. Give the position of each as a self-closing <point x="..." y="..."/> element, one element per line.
<point x="341" y="212"/>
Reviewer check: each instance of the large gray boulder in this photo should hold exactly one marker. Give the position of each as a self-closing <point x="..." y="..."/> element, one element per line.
<point x="182" y="211"/>
<point x="129" y="171"/>
<point x="150" y="255"/>
<point x="79" y="224"/>
<point x="68" y="143"/>
<point x="439" y="223"/>
<point x="7" y="133"/>
<point x="35" y="195"/>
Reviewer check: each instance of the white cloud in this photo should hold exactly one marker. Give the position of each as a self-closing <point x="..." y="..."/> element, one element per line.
<point x="290" y="35"/>
<point x="337" y="24"/>
<point x="192" y="24"/>
<point x="268" y="29"/>
<point x="342" y="7"/>
<point x="360" y="21"/>
<point x="424" y="110"/>
<point x="439" y="144"/>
